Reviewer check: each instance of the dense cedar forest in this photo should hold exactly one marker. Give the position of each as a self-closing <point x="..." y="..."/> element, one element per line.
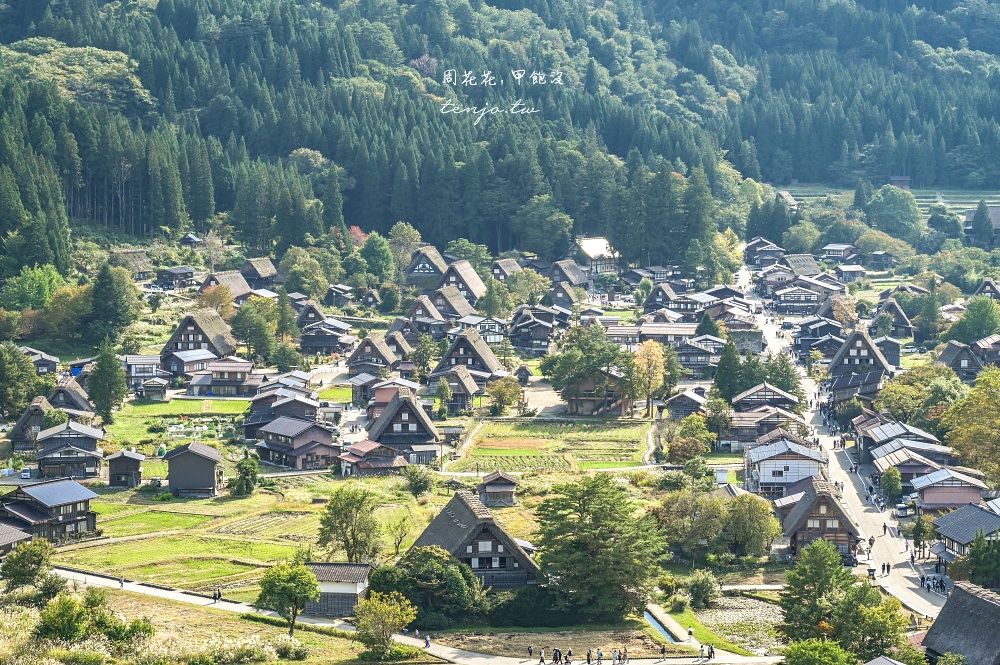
<point x="285" y="122"/>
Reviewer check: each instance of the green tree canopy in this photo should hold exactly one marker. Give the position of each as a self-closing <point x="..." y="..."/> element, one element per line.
<point x="349" y="524"/>
<point x="107" y="383"/>
<point x="812" y="588"/>
<point x="286" y="589"/>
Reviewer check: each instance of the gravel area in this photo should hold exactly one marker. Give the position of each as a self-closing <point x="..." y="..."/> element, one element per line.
<point x="748" y="622"/>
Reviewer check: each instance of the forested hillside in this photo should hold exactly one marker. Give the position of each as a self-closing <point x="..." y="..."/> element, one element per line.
<point x="153" y="116"/>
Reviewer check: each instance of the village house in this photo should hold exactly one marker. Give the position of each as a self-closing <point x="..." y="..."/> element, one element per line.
<point x="569" y="272"/>
<point x="795" y="300"/>
<point x="958" y="528"/>
<point x="601" y="395"/>
<point x="139" y="368"/>
<point x="450" y="302"/>
<point x="362" y="387"/>
<point x="774" y="278"/>
<point x="296" y="443"/>
<point x="372" y="356"/>
<point x="501" y="269"/>
<point x="310" y="313"/>
<point x="464" y="277"/>
<point x="989" y="286"/>
<point x="839" y="251"/>
<point x="368" y="458"/>
<point x="25" y="431"/>
<point x="341" y="587"/>
<point x="228" y="377"/>
<point x="815" y="328"/>
<point x="935" y="453"/>
<point x="700" y="360"/>
<point x="384" y="392"/>
<point x="668" y="334"/>
<point x="901" y="325"/>
<point x="203" y="329"/>
<point x="881" y="260"/>
<point x="685" y="403"/>
<point x="135" y="261"/>
<point x="44" y="363"/>
<point x="405" y="427"/>
<point x="71" y="398"/>
<point x="850" y="273"/>
<point x="891" y="348"/>
<point x="52" y="509"/>
<point x="498" y="489"/>
<point x="764" y="394"/>
<point x="753" y="246"/>
<point x="946" y="489"/>
<point x="562" y="294"/>
<point x="233" y="280"/>
<point x="125" y="468"/>
<point x="339" y="295"/>
<point x="879" y="432"/>
<point x="968" y="625"/>
<point x="463" y="390"/>
<point x="819" y="515"/>
<point x="69" y="450"/>
<point x="326" y="337"/>
<point x="281" y="403"/>
<point x="179" y="277"/>
<point x="864" y="386"/>
<point x="11" y="536"/>
<point x="259" y="273"/>
<point x="596" y="255"/>
<point x="909" y="463"/>
<point x="194" y="470"/>
<point x="467" y="529"/>
<point x="768" y="255"/>
<point x="426" y="267"/>
<point x="470" y="350"/>
<point x="858" y="355"/>
<point x="960" y="358"/>
<point x="770" y="468"/>
<point x="987" y="349"/>
<point x="190" y="241"/>
<point x="801" y="264"/>
<point x="491" y="329"/>
<point x="531" y="329"/>
<point x="186" y="363"/>
<point x="659" y="298"/>
<point x="523" y="374"/>
<point x="371" y="299"/>
<point x="746" y="426"/>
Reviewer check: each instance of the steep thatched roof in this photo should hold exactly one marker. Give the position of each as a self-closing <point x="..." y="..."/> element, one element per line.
<point x="213" y="327"/>
<point x="968" y="624"/>
<point x="817" y="490"/>
<point x="403" y="399"/>
<point x="231" y="279"/>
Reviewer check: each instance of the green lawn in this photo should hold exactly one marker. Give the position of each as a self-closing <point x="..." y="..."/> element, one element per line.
<point x="149" y="522"/>
<point x="723" y="457"/>
<point x="187" y="407"/>
<point x="336" y="394"/>
<point x="704" y="635"/>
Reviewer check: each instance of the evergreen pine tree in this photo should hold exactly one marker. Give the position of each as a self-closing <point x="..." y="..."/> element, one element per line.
<point x="107" y="385"/>
<point x="982" y="225"/>
<point x="727" y="374"/>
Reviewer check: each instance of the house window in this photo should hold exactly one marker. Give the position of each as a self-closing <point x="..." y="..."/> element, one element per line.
<point x="813" y="524"/>
<point x="405" y="416"/>
<point x="397" y="427"/>
<point x="777" y="474"/>
<point x="833" y="524"/>
<point x="965" y="362"/>
<point x="500" y="548"/>
<point x="822" y="509"/>
<point x="468" y="549"/>
<point x="485" y="545"/>
<point x="413" y="427"/>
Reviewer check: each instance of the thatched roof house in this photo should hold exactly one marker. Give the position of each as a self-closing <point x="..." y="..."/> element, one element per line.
<point x="969" y="624"/>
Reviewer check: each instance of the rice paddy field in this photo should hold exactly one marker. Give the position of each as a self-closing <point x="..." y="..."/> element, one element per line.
<point x="555" y="446"/>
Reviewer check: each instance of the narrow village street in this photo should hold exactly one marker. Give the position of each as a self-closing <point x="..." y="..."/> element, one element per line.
<point x="903" y="580"/>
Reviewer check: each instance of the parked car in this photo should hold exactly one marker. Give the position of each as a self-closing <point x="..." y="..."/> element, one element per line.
<point x="155" y="482"/>
<point x="849" y="560"/>
<point x="787" y="325"/>
<point x="26" y="473"/>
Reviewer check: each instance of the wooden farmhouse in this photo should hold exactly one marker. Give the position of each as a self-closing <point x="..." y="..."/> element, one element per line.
<point x="471" y="351"/>
<point x="909" y="463"/>
<point x="56" y="510"/>
<point x="464" y="277"/>
<point x="70" y="397"/>
<point x="467" y="529"/>
<point x="194" y="470"/>
<point x="69" y="450"/>
<point x="959" y="528"/>
<point x="859" y="355"/>
<point x="405" y="427"/>
<point x="373" y="356"/>
<point x="498" y="489"/>
<point x="988" y="288"/>
<point x="502" y="269"/>
<point x="764" y="394"/>
<point x="450" y="302"/>
<point x="968" y="624"/>
<point x="25" y="431"/>
<point x="232" y="280"/>
<point x="44" y="363"/>
<point x="368" y="458"/>
<point x="683" y="404"/>
<point x="203" y="329"/>
<point x="962" y="360"/>
<point x="819" y="515"/>
<point x="426" y="268"/>
<point x="125" y="468"/>
<point x="259" y="273"/>
<point x="341" y="586"/>
<point x="296" y="443"/>
<point x="771" y="468"/>
<point x="567" y="271"/>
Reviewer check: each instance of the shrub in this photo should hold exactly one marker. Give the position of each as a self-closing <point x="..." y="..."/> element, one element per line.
<point x="64" y="618"/>
<point x="529" y="607"/>
<point x="246" y="650"/>
<point x="290" y="648"/>
<point x="668" y="584"/>
<point x="163" y="496"/>
<point x="703" y="588"/>
<point x="679" y="602"/>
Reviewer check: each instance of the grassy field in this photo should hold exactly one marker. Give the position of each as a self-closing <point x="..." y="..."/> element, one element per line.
<point x="704" y="635"/>
<point x="336" y="394"/>
<point x="227" y="542"/>
<point x="555" y="446"/>
<point x="151" y="521"/>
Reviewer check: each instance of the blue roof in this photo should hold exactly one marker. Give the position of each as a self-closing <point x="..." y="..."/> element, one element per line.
<point x="58" y="492"/>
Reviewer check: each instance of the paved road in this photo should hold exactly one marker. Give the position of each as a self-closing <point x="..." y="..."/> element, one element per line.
<point x="903" y="580"/>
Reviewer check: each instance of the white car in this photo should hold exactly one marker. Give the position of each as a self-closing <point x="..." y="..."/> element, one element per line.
<point x="26" y="473"/>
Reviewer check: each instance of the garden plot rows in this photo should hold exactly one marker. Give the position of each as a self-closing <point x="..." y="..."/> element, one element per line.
<point x="298" y="526"/>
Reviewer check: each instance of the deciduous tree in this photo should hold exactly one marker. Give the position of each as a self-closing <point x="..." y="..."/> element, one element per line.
<point x="348" y="524"/>
<point x="504" y="393"/>
<point x="378" y="618"/>
<point x="287" y="589"/>
<point x="649" y="371"/>
<point x="218" y="298"/>
<point x="752" y="525"/>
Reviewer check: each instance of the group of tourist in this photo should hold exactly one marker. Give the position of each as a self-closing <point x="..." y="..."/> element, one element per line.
<point x="618" y="657"/>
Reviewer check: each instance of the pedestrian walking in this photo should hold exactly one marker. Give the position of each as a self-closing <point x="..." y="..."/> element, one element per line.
<point x="541" y="657"/>
<point x="913" y="558"/>
<point x="590" y="653"/>
<point x="690" y="633"/>
<point x="417" y="633"/>
<point x="531" y="651"/>
<point x="701" y="651"/>
<point x="600" y="656"/>
<point x="663" y="651"/>
<point x="614" y="657"/>
<point x="427" y="641"/>
<point x="121" y="582"/>
<point x="906" y="545"/>
<point x="885" y="528"/>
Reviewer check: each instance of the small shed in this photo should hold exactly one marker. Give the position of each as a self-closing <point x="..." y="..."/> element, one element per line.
<point x="190" y="240"/>
<point x="341" y="586"/>
<point x="125" y="469"/>
<point x="194" y="469"/>
<point x="523" y="374"/>
<point x="155" y="389"/>
<point x="498" y="489"/>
